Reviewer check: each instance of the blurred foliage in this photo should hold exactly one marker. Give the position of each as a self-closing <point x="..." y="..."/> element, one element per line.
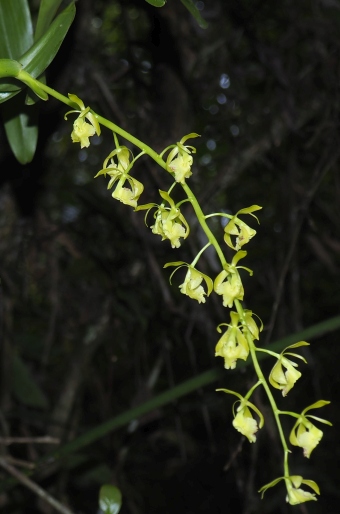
<point x="87" y="314"/>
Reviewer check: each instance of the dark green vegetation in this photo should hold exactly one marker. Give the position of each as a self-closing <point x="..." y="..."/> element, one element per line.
<point x="89" y="325"/>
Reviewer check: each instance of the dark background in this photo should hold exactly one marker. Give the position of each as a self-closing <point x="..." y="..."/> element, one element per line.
<point x="89" y="325"/>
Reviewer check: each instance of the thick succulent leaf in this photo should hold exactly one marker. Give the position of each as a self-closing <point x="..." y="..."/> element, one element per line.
<point x="42" y="53"/>
<point x="21" y="126"/>
<point x="110" y="499"/>
<point x="190" y="5"/>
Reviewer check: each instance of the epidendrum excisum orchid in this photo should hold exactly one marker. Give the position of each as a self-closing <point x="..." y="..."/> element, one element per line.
<point x="238" y="341"/>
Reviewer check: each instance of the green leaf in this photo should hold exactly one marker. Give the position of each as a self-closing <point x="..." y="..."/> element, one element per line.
<point x="110" y="499"/>
<point x="189" y="4"/>
<point x="47" y="10"/>
<point x="156" y="3"/>
<point x="41" y="54"/>
<point x="21" y="126"/>
<point x="16" y="37"/>
<point x="16" y="31"/>
<point x="24" y="385"/>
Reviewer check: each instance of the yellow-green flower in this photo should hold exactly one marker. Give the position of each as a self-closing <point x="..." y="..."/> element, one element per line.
<point x="295" y="495"/>
<point x="228" y="283"/>
<point x="179" y="160"/>
<point x="128" y="195"/>
<point x="232" y="345"/>
<point x="167" y="228"/>
<point x="117" y="165"/>
<point x="231" y="289"/>
<point x="304" y="433"/>
<point x="246" y="424"/>
<point x="192" y="283"/>
<point x="169" y="221"/>
<point x="82" y="130"/>
<point x="237" y="227"/>
<point x="285" y="380"/>
<point x="243" y="419"/>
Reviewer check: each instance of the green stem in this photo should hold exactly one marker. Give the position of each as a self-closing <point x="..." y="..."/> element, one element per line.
<point x="266" y="387"/>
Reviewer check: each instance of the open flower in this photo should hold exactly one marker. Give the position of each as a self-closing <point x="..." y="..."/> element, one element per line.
<point x="117" y="166"/>
<point x="128" y="195"/>
<point x="304" y="433"/>
<point x="82" y="130"/>
<point x="243" y="419"/>
<point x="295" y="495"/>
<point x="237" y="227"/>
<point x="179" y="160"/>
<point x="169" y="221"/>
<point x="285" y="380"/>
<point x="192" y="285"/>
<point x="228" y="283"/>
<point x="232" y="345"/>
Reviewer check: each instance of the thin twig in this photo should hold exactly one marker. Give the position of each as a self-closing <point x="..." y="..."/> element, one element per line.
<point x="39" y="491"/>
<point x="309" y="197"/>
<point x="25" y="440"/>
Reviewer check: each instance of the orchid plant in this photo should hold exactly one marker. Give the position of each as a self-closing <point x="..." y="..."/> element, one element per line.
<point x="239" y="340"/>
